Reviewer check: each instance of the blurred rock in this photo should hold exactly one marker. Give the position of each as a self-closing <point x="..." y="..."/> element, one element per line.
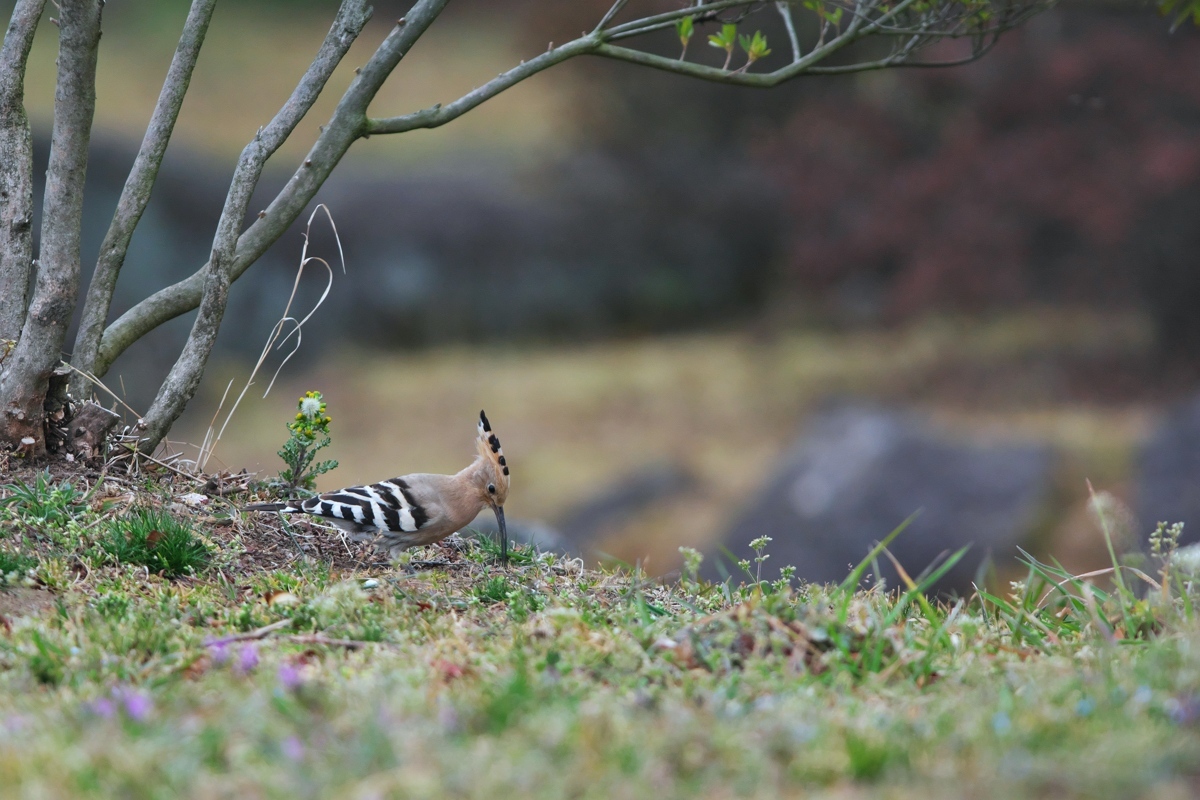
<point x="614" y="505"/>
<point x="856" y="473"/>
<point x="1167" y="473"/>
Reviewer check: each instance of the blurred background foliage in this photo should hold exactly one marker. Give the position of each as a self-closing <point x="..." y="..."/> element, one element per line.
<point x="628" y="268"/>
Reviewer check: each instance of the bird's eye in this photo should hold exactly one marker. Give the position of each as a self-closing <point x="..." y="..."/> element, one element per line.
<point x="491" y="488"/>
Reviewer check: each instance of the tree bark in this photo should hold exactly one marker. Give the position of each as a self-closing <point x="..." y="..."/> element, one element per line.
<point x="16" y="179"/>
<point x="136" y="195"/>
<point x="26" y="371"/>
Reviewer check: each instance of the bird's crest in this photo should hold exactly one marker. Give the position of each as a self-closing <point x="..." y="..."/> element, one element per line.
<point x="490" y="451"/>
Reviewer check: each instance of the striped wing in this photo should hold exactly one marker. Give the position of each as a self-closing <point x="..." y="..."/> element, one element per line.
<point x="385" y="506"/>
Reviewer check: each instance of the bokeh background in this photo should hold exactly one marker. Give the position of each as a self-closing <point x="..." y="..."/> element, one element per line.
<point x="694" y="313"/>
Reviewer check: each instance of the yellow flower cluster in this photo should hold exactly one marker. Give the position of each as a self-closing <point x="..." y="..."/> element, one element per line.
<point x="311" y="418"/>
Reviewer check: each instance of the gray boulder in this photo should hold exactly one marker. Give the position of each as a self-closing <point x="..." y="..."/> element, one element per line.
<point x="1167" y="472"/>
<point x="856" y="473"/>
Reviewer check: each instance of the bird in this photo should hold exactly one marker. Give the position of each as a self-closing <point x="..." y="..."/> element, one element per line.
<point x="418" y="509"/>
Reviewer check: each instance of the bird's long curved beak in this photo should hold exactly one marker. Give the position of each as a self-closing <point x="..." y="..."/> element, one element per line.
<point x="503" y="534"/>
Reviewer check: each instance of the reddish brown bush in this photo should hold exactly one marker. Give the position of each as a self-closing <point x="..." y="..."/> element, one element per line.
<point x="1027" y="176"/>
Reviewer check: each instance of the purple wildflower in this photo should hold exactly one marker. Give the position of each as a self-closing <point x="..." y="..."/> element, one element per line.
<point x="1183" y="710"/>
<point x="102" y="707"/>
<point x="219" y="650"/>
<point x="292" y="748"/>
<point x="137" y="705"/>
<point x="15" y="723"/>
<point x="248" y="658"/>
<point x="289" y="677"/>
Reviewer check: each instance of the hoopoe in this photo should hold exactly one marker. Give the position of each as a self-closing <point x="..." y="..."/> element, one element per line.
<point x="418" y="509"/>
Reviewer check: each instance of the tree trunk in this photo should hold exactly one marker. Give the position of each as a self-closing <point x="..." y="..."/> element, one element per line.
<point x="25" y="373"/>
<point x="16" y="179"/>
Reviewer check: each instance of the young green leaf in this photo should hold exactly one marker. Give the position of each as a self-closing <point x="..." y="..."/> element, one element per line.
<point x="685" y="28"/>
<point x="725" y="40"/>
<point x="755" y="47"/>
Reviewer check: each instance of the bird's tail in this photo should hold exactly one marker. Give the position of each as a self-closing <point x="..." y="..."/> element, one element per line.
<point x="267" y="507"/>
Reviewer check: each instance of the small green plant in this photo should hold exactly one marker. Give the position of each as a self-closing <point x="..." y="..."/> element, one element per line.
<point x="1164" y="544"/>
<point x="755" y="47"/>
<point x="518" y="555"/>
<point x="156" y="540"/>
<point x="725" y="40"/>
<point x="685" y="27"/>
<point x="759" y="547"/>
<point x="689" y="576"/>
<point x="493" y="590"/>
<point x="44" y="504"/>
<point x="13" y="566"/>
<point x="309" y="435"/>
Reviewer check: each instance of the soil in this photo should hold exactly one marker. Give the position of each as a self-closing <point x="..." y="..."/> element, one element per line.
<point x="21" y="601"/>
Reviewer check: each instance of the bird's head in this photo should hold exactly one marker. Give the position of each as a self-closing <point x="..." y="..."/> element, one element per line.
<point x="493" y="468"/>
<point x="493" y="477"/>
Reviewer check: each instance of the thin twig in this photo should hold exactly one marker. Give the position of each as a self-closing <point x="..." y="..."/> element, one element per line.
<point x="132" y="449"/>
<point x="258" y="633"/>
<point x="612" y="12"/>
<point x="316" y="638"/>
<point x="785" y="10"/>
<point x="100" y="383"/>
<point x="273" y="341"/>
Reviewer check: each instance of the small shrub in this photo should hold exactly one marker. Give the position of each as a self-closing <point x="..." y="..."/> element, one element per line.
<point x="156" y="540"/>
<point x="309" y="434"/>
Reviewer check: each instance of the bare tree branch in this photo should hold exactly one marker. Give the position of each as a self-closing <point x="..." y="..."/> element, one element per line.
<point x="612" y="12"/>
<point x="440" y="115"/>
<point x="136" y="194"/>
<point x="16" y="179"/>
<point x="27" y="369"/>
<point x="785" y="11"/>
<point x="181" y="383"/>
<point x="348" y="123"/>
<point x="853" y="33"/>
<point x="700" y="11"/>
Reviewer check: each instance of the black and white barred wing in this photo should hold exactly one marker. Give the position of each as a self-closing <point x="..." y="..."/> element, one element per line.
<point x="387" y="506"/>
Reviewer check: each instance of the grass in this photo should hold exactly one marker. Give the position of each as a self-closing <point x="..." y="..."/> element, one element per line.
<point x="550" y="680"/>
<point x="157" y="540"/>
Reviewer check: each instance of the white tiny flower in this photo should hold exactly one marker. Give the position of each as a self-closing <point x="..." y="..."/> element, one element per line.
<point x="1187" y="559"/>
<point x="310" y="407"/>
